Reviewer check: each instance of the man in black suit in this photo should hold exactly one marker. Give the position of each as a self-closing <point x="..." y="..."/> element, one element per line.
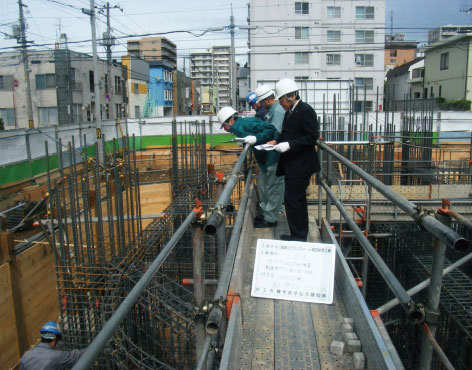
<point x="299" y="159"/>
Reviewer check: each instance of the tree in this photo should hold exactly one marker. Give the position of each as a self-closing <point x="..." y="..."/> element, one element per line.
<point x="2" y="127"/>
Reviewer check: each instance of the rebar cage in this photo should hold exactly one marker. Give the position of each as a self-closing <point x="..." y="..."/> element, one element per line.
<point x="101" y="251"/>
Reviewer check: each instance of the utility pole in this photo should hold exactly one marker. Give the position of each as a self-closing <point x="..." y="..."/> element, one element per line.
<point x="24" y="57"/>
<point x="233" y="62"/>
<point x="108" y="42"/>
<point x="96" y="82"/>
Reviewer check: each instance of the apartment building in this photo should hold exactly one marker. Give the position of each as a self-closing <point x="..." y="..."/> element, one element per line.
<point x="319" y="40"/>
<point x="154" y="49"/>
<point x="62" y="88"/>
<point x="137" y="73"/>
<point x="398" y="51"/>
<point x="212" y="69"/>
<point x="443" y="32"/>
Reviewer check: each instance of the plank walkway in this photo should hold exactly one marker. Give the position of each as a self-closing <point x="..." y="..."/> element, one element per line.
<point x="279" y="334"/>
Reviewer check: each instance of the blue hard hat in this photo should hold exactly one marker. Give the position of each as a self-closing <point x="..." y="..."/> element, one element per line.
<point x="251" y="98"/>
<point x="50" y="329"/>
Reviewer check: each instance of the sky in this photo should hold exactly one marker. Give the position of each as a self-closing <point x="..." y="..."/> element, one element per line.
<point x="46" y="19"/>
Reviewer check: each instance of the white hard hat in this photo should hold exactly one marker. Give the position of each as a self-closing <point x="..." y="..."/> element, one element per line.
<point x="285" y="86"/>
<point x="225" y="113"/>
<point x="263" y="92"/>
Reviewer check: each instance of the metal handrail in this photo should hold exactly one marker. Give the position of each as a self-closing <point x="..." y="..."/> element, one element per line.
<point x="415" y="312"/>
<point x="216" y="313"/>
<point x="442" y="232"/>
<point x="217" y="217"/>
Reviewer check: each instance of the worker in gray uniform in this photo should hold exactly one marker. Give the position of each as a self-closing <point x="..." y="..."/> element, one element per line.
<point x="254" y="131"/>
<point x="44" y="356"/>
<point x="271" y="187"/>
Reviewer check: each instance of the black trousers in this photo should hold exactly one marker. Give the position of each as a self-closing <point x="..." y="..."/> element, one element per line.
<point x="296" y="206"/>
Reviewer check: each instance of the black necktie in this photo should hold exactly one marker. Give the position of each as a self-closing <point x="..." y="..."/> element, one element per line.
<point x="288" y="114"/>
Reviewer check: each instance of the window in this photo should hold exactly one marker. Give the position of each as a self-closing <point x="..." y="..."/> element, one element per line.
<point x="301" y="33"/>
<point x="363" y="81"/>
<point x="137" y="113"/>
<point x="393" y="61"/>
<point x="91" y="82"/>
<point x="393" y="53"/>
<point x="6" y="83"/>
<point x="47" y="81"/>
<point x="48" y="115"/>
<point x="440" y="90"/>
<point x="76" y="112"/>
<point x="333" y="59"/>
<point x="364" y="12"/>
<point x="364" y="60"/>
<point x="301" y="58"/>
<point x="168" y="76"/>
<point x="334" y="36"/>
<point x="426" y="93"/>
<point x="301" y="7"/>
<point x="417" y="73"/>
<point x="167" y="94"/>
<point x="106" y="84"/>
<point x="359" y="106"/>
<point x="135" y="88"/>
<point x="302" y="78"/>
<point x="364" y="37"/>
<point x="417" y="95"/>
<point x="119" y="112"/>
<point x="334" y="12"/>
<point x="117" y="85"/>
<point x="444" y="61"/>
<point x="8" y="116"/>
<point x="431" y="94"/>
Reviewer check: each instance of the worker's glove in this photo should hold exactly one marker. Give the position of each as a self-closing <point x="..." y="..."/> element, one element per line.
<point x="250" y="140"/>
<point x="282" y="147"/>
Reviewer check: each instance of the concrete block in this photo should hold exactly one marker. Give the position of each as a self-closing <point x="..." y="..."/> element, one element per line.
<point x="350" y="336"/>
<point x="353" y="345"/>
<point x="348" y="320"/>
<point x="337" y="348"/>
<point x="347" y="328"/>
<point x="359" y="360"/>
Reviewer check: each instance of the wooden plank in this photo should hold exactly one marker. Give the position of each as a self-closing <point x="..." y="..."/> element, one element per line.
<point x="9" y="348"/>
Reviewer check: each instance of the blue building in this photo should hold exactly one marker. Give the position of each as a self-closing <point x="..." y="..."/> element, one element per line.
<point x="159" y="100"/>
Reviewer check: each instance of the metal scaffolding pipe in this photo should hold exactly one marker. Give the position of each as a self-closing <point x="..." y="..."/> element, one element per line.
<point x="419" y="287"/>
<point x="414" y="312"/>
<point x="217" y="216"/>
<point x="447" y="364"/>
<point x="199" y="282"/>
<point x="434" y="294"/>
<point x="457" y="216"/>
<point x="216" y="313"/>
<point x="99" y="342"/>
<point x="442" y="232"/>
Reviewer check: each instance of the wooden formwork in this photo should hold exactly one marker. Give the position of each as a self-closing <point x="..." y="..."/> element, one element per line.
<point x="28" y="298"/>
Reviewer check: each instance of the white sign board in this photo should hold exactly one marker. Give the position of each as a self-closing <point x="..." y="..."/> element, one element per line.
<point x="294" y="271"/>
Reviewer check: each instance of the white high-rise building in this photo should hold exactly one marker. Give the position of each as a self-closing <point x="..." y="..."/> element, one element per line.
<point x="213" y="69"/>
<point x="320" y="40"/>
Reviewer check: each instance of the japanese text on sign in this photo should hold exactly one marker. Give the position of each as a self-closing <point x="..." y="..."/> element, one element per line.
<point x="294" y="271"/>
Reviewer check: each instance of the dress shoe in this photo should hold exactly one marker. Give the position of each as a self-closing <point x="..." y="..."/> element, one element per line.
<point x="291" y="238"/>
<point x="264" y="223"/>
<point x="258" y="218"/>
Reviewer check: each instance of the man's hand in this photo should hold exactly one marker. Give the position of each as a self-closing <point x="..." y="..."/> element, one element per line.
<point x="250" y="140"/>
<point x="282" y="147"/>
<point x="272" y="142"/>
